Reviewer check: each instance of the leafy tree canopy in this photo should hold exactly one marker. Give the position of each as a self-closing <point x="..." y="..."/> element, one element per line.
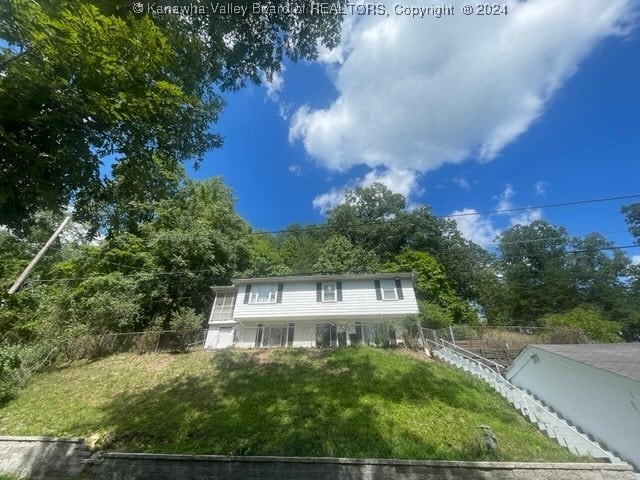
<point x="632" y="217"/>
<point x="534" y="263"/>
<point x="339" y="255"/>
<point x="82" y="82"/>
<point x="438" y="303"/>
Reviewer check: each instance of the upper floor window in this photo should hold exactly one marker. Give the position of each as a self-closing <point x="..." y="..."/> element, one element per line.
<point x="329" y="292"/>
<point x="263" y="294"/>
<point x="388" y="288"/>
<point x="223" y="306"/>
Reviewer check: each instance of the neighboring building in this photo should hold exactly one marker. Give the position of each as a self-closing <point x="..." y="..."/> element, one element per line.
<point x="312" y="310"/>
<point x="596" y="387"/>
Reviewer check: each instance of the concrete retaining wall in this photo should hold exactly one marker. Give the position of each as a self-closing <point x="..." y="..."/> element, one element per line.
<point x="43" y="457"/>
<point x="57" y="459"/>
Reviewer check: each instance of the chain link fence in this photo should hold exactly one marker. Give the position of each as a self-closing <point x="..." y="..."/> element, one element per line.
<point x="94" y="346"/>
<point x="510" y="337"/>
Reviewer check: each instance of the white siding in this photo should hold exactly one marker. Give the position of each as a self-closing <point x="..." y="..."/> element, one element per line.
<point x="358" y="300"/>
<point x="602" y="403"/>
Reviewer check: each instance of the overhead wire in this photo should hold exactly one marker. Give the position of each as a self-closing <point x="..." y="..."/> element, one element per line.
<point x="365" y="223"/>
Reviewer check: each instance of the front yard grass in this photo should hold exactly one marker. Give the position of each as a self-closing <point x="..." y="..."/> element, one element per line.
<point x="347" y="402"/>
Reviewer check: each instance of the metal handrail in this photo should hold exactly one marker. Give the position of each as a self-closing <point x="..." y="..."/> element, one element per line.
<point x="471" y="355"/>
<point x="539" y="411"/>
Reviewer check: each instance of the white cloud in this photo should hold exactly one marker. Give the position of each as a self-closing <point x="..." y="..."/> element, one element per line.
<point x="477" y="228"/>
<point x="462" y="182"/>
<point x="284" y="110"/>
<point x="526" y="217"/>
<point x="329" y="200"/>
<point x="275" y="84"/>
<point x="635" y="259"/>
<point x="504" y="200"/>
<point x="414" y="94"/>
<point x="295" y="169"/>
<point x="398" y="181"/>
<point x="339" y="54"/>
<point x="482" y="229"/>
<point x="541" y="188"/>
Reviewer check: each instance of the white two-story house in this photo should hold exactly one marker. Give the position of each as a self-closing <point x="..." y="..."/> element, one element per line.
<point x="312" y="311"/>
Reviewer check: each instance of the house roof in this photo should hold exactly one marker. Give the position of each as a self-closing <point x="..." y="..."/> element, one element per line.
<point x="326" y="277"/>
<point x="620" y="358"/>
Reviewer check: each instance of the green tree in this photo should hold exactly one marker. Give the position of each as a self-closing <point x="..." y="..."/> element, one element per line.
<point x="438" y="303"/>
<point x="600" y="278"/>
<point x="536" y="275"/>
<point x="373" y="218"/>
<point x="77" y="86"/>
<point x="632" y="217"/>
<point x="265" y="259"/>
<point x="465" y="263"/>
<point x="339" y="255"/>
<point x="82" y="82"/>
<point x="300" y="247"/>
<point x="196" y="240"/>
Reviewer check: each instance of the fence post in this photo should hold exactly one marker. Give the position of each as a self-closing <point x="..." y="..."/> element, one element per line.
<point x="424" y="344"/>
<point x="453" y="340"/>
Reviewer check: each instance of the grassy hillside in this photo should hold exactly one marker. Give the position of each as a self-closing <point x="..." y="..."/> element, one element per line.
<point x="343" y="402"/>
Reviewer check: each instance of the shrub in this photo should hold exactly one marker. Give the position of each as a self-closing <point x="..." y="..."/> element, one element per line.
<point x="508" y="339"/>
<point x="434" y="316"/>
<point x="588" y="320"/>
<point x="187" y="324"/>
<point x="9" y="371"/>
<point x="148" y="341"/>
<point x="566" y="335"/>
<point x="411" y="326"/>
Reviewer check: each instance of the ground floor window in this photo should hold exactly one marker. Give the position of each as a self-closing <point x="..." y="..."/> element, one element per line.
<point x="321" y="335"/>
<point x="275" y="335"/>
<point x="326" y="335"/>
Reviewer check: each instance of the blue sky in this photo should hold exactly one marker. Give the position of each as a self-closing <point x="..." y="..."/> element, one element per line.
<point x="462" y="114"/>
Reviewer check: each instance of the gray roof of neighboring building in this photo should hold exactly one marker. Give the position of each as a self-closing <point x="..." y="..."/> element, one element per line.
<point x="620" y="358"/>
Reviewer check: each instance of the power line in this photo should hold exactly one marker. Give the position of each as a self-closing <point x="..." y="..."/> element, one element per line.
<point x="191" y="272"/>
<point x="603" y="249"/>
<point x="364" y="223"/>
<point x="536" y="207"/>
<point x="455" y="215"/>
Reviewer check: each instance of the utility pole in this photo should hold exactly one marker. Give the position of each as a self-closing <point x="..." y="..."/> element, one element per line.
<point x="37" y="258"/>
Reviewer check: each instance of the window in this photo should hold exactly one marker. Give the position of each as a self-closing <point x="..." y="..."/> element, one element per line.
<point x="326" y="335"/>
<point x="388" y="288"/>
<point x="275" y="336"/>
<point x="263" y="294"/>
<point x="329" y="292"/>
<point x="223" y="306"/>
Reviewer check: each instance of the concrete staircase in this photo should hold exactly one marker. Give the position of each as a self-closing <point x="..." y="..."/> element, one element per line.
<point x="531" y="408"/>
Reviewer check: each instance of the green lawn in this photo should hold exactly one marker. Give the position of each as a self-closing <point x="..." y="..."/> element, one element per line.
<point x="353" y="402"/>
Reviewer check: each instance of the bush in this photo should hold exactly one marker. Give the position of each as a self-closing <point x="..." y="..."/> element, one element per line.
<point x="187" y="324"/>
<point x="589" y="321"/>
<point x="412" y="336"/>
<point x="434" y="316"/>
<point x="566" y="336"/>
<point x="148" y="341"/>
<point x="9" y="371"/>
